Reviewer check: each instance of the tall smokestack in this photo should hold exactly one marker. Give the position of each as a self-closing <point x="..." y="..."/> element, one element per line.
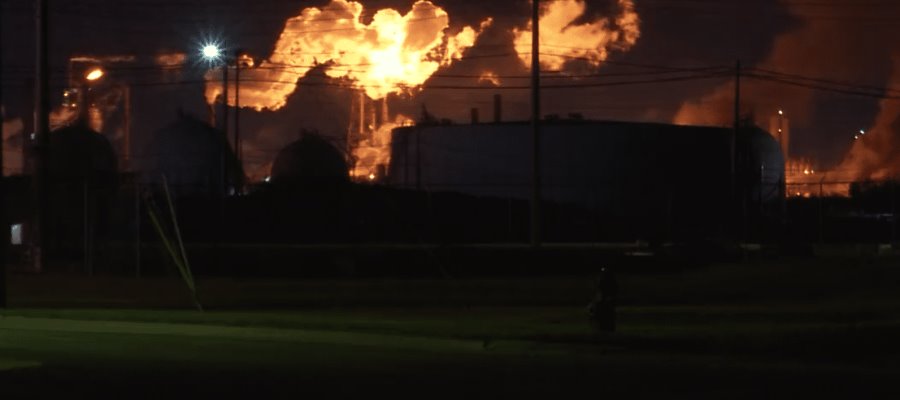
<point x="385" y="111"/>
<point x="373" y="122"/>
<point x="498" y="108"/>
<point x="362" y="113"/>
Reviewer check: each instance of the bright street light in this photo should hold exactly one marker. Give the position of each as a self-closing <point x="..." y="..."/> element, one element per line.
<point x="211" y="52"/>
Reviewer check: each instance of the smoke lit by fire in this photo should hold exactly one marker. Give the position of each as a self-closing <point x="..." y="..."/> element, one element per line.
<point x="489" y="77"/>
<point x="875" y="155"/>
<point x="564" y="40"/>
<point x="376" y="151"/>
<point x="393" y="53"/>
<point x="388" y="51"/>
<point x="871" y="156"/>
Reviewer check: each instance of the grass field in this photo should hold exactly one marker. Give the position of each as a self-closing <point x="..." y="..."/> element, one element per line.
<point x="801" y="328"/>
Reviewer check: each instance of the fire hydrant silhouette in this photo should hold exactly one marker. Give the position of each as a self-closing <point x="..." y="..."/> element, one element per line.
<point x="602" y="310"/>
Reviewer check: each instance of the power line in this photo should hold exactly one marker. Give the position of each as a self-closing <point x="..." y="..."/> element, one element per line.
<point x="825" y="81"/>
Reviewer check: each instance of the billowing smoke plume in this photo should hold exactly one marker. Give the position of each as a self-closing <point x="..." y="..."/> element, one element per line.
<point x="563" y="39"/>
<point x="876" y="155"/>
<point x="819" y="46"/>
<point x="392" y="53"/>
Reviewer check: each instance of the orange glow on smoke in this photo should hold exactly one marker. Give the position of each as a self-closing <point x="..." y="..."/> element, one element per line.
<point x="489" y="77"/>
<point x="562" y="40"/>
<point x="171" y="59"/>
<point x="394" y="53"/>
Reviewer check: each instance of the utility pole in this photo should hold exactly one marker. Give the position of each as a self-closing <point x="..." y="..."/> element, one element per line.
<point x="4" y="225"/>
<point x="223" y="164"/>
<point x="893" y="183"/>
<point x="736" y="196"/>
<point x="41" y="136"/>
<point x="237" y="106"/>
<point x="126" y="145"/>
<point x="225" y="98"/>
<point x="535" y="125"/>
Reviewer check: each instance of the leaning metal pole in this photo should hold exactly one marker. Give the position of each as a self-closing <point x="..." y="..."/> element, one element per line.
<point x="535" y="126"/>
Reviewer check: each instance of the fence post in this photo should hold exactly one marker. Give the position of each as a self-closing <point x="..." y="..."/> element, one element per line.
<point x="821" y="217"/>
<point x="137" y="228"/>
<point x="88" y="245"/>
<point x="893" y="210"/>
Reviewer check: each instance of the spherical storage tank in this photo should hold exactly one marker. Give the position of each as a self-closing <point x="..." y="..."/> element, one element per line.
<point x="310" y="160"/>
<point x="81" y="184"/>
<point x="78" y="154"/>
<point x="645" y="179"/>
<point x="191" y="155"/>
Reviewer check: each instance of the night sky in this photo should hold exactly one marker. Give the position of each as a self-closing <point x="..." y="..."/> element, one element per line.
<point x="839" y="40"/>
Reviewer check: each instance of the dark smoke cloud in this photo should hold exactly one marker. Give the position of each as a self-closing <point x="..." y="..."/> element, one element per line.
<point x="844" y="42"/>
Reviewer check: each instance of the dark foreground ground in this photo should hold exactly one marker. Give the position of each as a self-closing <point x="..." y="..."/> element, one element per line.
<point x="782" y="329"/>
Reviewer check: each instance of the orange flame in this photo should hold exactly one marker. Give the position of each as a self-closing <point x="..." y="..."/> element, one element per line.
<point x="562" y="40"/>
<point x="393" y="53"/>
<point x="376" y="151"/>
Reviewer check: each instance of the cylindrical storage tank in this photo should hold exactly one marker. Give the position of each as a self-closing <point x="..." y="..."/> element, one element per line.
<point x="636" y="180"/>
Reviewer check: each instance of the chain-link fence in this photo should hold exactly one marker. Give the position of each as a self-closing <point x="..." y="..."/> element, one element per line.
<point x="317" y="228"/>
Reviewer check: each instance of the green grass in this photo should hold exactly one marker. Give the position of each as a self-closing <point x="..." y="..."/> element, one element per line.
<point x="749" y="331"/>
<point x="103" y="357"/>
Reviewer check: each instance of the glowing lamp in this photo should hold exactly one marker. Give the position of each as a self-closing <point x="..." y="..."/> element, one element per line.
<point x="94" y="74"/>
<point x="211" y="52"/>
